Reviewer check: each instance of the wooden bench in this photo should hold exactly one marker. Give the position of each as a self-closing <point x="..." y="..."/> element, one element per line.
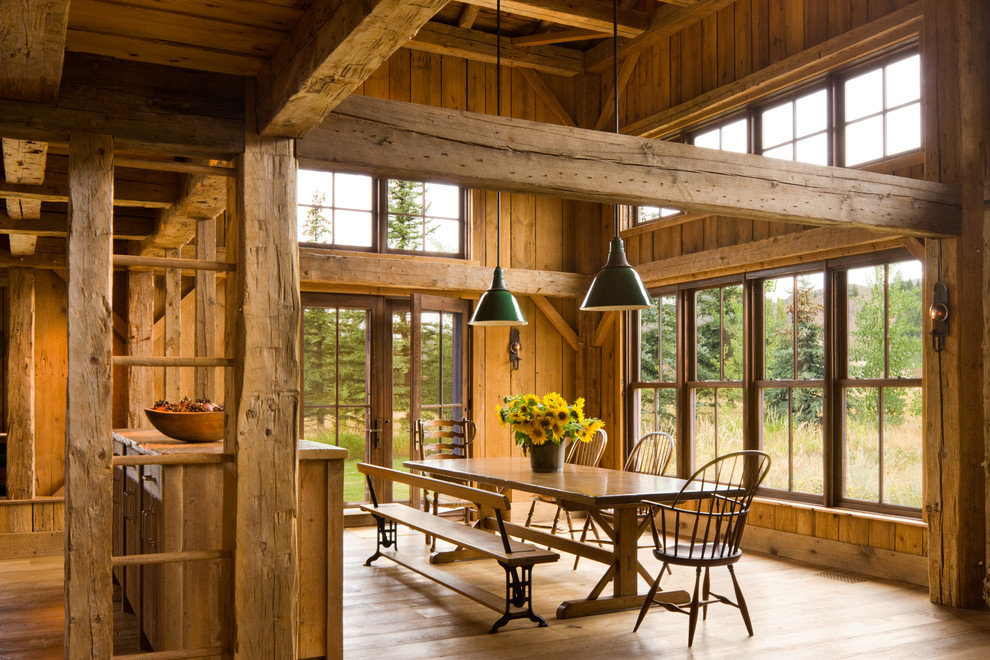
<point x="515" y="557"/>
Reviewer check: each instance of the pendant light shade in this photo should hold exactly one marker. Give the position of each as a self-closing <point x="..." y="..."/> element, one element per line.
<point x="497" y="306"/>
<point x="617" y="286"/>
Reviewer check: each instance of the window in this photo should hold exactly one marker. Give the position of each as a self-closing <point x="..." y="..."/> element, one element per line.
<point x="645" y="214"/>
<point x="797" y="129"/>
<point x="351" y="211"/>
<point x="882" y="111"/>
<point x="831" y="390"/>
<point x="729" y="136"/>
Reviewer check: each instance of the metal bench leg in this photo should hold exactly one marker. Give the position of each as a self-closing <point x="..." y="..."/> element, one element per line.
<point x="519" y="594"/>
<point x="388" y="537"/>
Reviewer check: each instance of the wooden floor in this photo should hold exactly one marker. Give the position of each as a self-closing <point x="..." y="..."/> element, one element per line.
<point x="799" y="611"/>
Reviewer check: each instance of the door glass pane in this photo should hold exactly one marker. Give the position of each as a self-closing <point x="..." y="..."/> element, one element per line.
<point x="430" y="363"/>
<point x="336" y="409"/>
<point x="401" y="408"/>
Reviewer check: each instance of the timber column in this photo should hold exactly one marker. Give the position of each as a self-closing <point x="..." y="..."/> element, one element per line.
<point x="20" y="386"/>
<point x="957" y="379"/>
<point x="262" y="397"/>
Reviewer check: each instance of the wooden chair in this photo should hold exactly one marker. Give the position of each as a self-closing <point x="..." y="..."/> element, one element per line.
<point x="706" y="532"/>
<point x="579" y="453"/>
<point x="651" y="455"/>
<point x="444" y="439"/>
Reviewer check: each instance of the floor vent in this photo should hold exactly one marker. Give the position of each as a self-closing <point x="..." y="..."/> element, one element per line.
<point x="841" y="577"/>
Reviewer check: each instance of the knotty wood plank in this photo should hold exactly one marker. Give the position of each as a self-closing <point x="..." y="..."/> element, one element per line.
<point x="262" y="399"/>
<point x="88" y="476"/>
<point x="20" y="385"/>
<point x="403" y="140"/>
<point x="50" y="368"/>
<point x="331" y="50"/>
<point x="545" y="94"/>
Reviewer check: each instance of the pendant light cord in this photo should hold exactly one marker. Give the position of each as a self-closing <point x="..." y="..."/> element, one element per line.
<point x="615" y="89"/>
<point x="498" y="113"/>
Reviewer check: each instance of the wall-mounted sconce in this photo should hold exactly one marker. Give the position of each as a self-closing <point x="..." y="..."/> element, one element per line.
<point x="939" y="312"/>
<point x="514" y="347"/>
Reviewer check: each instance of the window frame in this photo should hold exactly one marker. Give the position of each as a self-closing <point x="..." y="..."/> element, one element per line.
<point x="379" y="220"/>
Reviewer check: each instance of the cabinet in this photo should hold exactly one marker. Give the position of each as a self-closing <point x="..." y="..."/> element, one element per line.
<point x="180" y="507"/>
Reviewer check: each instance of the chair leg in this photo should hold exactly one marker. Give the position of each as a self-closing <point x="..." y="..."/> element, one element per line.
<point x="436" y="512"/>
<point x="705" y="591"/>
<point x="650" y="595"/>
<point x="556" y="517"/>
<point x="694" y="608"/>
<point x="570" y="524"/>
<point x="741" y="601"/>
<point x="529" y="517"/>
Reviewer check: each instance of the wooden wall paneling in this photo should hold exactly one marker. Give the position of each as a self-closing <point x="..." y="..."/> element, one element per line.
<point x="88" y="477"/>
<point x="911" y="539"/>
<point x="408" y="76"/>
<point x="21" y="481"/>
<point x="50" y="366"/>
<point x="476" y="86"/>
<point x="263" y="309"/>
<point x="377" y="84"/>
<point x="826" y="524"/>
<point x="454" y="83"/>
<point x="710" y="233"/>
<point x="725" y="21"/>
<point x="859" y="13"/>
<point x="661" y="82"/>
<point x="839" y="17"/>
<point x="743" y="37"/>
<point x="522" y="229"/>
<point x="816" y="21"/>
<point x="206" y="310"/>
<point x="877" y="8"/>
<point x="776" y="28"/>
<point x="693" y="237"/>
<point x="691" y="61"/>
<point x="795" y="21"/>
<point x="854" y="530"/>
<point x="140" y="324"/>
<point x="436" y="79"/>
<point x="760" y="30"/>
<point x="883" y="534"/>
<point x="709" y="53"/>
<point x="674" y="70"/>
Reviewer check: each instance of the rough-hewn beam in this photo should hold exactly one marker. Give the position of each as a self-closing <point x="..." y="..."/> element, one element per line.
<point x="321" y="268"/>
<point x="20" y="386"/>
<point x="479" y="46"/>
<point x="557" y="321"/>
<point x="57" y="224"/>
<point x="32" y="45"/>
<point x="544" y="93"/>
<point x="333" y="48"/>
<point x="588" y="15"/>
<point x="24" y="162"/>
<point x="406" y="140"/>
<point x="148" y="109"/>
<point x="840" y="50"/>
<point x="785" y="249"/>
<point x="89" y="422"/>
<point x="126" y="193"/>
<point x="203" y="198"/>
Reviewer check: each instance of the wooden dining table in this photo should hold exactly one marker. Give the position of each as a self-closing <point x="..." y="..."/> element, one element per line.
<point x="582" y="488"/>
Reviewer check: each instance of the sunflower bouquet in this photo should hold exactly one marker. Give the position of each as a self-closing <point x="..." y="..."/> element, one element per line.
<point x="538" y="420"/>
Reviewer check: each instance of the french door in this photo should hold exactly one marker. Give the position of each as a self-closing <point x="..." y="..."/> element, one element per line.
<point x="370" y="366"/>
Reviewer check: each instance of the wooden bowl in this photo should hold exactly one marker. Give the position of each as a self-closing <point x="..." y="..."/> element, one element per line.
<point x="188" y="426"/>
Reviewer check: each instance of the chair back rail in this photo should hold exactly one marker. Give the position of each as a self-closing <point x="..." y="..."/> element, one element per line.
<point x="588" y="453"/>
<point x="444" y="438"/>
<point x="651" y="454"/>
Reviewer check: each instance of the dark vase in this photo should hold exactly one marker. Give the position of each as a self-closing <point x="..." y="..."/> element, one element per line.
<point x="548" y="457"/>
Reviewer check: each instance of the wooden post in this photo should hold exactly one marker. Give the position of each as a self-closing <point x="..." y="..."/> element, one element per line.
<point x="206" y="307"/>
<point x="173" y="324"/>
<point x="140" y="325"/>
<point x="262" y="399"/>
<point x="20" y="386"/>
<point x="88" y="444"/>
<point x="954" y="78"/>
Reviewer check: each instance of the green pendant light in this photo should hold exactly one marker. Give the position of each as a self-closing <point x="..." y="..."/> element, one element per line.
<point x="618" y="286"/>
<point x="498" y="306"/>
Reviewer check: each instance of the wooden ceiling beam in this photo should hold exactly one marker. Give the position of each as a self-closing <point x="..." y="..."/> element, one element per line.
<point x="586" y="15"/>
<point x="203" y="198"/>
<point x="56" y="224"/>
<point x="388" y="138"/>
<point x="333" y="48"/>
<point x="395" y="272"/>
<point x="126" y="193"/>
<point x="479" y="46"/>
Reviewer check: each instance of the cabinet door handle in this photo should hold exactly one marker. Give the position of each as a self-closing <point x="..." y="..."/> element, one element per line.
<point x="127" y="515"/>
<point x="148" y="538"/>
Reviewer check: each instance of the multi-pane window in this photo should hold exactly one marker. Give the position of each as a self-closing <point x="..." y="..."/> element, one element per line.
<point x="792" y="385"/>
<point x="881" y="411"/>
<point x="819" y="367"/>
<point x="882" y="111"/>
<point x="656" y="386"/>
<point x="645" y="214"/>
<point x="389" y="215"/>
<point x="797" y="129"/>
<point x="718" y="372"/>
<point x="730" y="136"/>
